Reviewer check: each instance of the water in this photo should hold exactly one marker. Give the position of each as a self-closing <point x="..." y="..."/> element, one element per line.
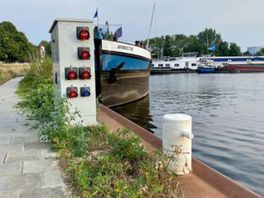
<point x="228" y="119"/>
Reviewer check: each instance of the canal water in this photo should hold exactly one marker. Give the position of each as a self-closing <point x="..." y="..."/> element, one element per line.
<point x="228" y="119"/>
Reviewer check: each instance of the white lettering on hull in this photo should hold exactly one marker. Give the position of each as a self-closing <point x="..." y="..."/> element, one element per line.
<point x="124" y="47"/>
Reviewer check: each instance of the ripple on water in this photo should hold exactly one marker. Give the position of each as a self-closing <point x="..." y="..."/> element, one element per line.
<point x="228" y="125"/>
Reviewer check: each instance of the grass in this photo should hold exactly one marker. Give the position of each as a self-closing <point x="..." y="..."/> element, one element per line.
<point x="9" y="71"/>
<point x="96" y="163"/>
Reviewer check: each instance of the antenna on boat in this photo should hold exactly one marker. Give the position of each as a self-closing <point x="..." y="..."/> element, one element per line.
<point x="154" y="6"/>
<point x="97" y="16"/>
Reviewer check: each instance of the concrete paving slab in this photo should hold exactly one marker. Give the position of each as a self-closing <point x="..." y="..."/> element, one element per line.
<point x="9" y="194"/>
<point x="5" y="140"/>
<point x="48" y="154"/>
<point x="14" y="168"/>
<point x="12" y="134"/>
<point x="14" y="148"/>
<point x="53" y="179"/>
<point x="39" y="166"/>
<point x="37" y="146"/>
<point x="2" y="157"/>
<point x="28" y="155"/>
<point x="43" y="193"/>
<point x="19" y="182"/>
<point x="24" y="140"/>
<point x="10" y="128"/>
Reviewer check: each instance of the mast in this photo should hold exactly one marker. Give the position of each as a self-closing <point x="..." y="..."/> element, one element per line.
<point x="154" y="6"/>
<point x="97" y="17"/>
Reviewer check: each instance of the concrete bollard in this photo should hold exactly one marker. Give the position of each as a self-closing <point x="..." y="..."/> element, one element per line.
<point x="177" y="142"/>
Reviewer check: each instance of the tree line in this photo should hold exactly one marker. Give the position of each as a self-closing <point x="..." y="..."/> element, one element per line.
<point x="15" y="47"/>
<point x="206" y="42"/>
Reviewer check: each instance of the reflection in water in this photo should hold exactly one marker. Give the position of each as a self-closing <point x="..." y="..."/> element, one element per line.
<point x="137" y="112"/>
<point x="227" y="112"/>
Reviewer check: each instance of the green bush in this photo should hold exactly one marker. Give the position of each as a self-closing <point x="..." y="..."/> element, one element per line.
<point x="127" y="146"/>
<point x="38" y="74"/>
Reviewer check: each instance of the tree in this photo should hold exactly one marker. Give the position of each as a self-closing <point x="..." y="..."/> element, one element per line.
<point x="234" y="50"/>
<point x="195" y="45"/>
<point x="260" y="52"/>
<point x="168" y="45"/>
<point x="157" y="46"/>
<point x="222" y="49"/>
<point x="175" y="45"/>
<point x="180" y="42"/>
<point x="14" y="46"/>
<point x="246" y="53"/>
<point x="209" y="37"/>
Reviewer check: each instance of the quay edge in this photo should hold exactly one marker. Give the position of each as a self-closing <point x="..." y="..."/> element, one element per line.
<point x="203" y="182"/>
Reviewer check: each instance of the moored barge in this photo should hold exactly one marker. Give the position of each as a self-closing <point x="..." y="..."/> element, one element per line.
<point x="122" y="72"/>
<point x="242" y="67"/>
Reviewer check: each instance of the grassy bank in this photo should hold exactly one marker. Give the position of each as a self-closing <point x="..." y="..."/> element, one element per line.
<point x="9" y="71"/>
<point x="96" y="163"/>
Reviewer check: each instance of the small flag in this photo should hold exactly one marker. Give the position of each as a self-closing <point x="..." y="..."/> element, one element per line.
<point x="118" y="32"/>
<point x="212" y="48"/>
<point x="96" y="14"/>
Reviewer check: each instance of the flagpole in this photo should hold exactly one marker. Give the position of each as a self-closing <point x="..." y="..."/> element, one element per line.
<point x="97" y="16"/>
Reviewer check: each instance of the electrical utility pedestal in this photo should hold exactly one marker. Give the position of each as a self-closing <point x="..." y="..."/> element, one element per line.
<point x="72" y="45"/>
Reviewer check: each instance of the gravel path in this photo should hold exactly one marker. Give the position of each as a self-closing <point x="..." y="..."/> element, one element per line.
<point x="28" y="168"/>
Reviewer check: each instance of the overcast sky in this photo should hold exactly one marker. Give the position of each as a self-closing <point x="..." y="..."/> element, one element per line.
<point x="240" y="21"/>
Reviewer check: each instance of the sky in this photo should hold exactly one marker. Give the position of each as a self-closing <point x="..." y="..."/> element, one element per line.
<point x="239" y="21"/>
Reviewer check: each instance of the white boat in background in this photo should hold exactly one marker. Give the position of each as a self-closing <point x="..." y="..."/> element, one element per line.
<point x="188" y="62"/>
<point x="161" y="65"/>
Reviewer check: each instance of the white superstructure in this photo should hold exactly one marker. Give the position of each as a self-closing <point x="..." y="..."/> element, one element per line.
<point x="188" y="63"/>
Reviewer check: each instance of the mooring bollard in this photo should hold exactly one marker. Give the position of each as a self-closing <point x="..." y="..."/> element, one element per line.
<point x="177" y="142"/>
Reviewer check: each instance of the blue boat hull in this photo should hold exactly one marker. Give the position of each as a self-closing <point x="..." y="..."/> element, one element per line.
<point x="206" y="70"/>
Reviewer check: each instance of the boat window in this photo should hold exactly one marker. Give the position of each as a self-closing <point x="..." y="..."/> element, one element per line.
<point x="167" y="65"/>
<point x="186" y="64"/>
<point x="193" y="64"/>
<point x="176" y="65"/>
<point x="152" y="65"/>
<point x="160" y="65"/>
